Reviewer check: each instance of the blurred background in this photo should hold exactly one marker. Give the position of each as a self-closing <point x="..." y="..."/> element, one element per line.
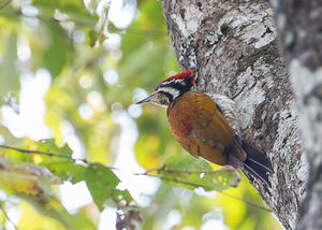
<point x="70" y="71"/>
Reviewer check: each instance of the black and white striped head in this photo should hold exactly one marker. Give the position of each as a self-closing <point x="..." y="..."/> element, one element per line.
<point x="170" y="89"/>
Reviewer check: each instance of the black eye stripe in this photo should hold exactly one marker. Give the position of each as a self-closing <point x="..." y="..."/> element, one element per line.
<point x="174" y="88"/>
<point x="174" y="85"/>
<point x="168" y="95"/>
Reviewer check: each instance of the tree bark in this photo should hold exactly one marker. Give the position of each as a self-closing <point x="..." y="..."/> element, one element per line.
<point x="233" y="47"/>
<point x="300" y="27"/>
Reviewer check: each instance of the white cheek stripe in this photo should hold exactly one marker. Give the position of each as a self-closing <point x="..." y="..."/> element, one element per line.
<point x="171" y="81"/>
<point x="174" y="92"/>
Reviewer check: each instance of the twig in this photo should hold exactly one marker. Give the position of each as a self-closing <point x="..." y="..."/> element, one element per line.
<point x="221" y="192"/>
<point x="51" y="154"/>
<point x="245" y="201"/>
<point x="167" y="170"/>
<point x="7" y="217"/>
<point x="238" y="93"/>
<point x="28" y="151"/>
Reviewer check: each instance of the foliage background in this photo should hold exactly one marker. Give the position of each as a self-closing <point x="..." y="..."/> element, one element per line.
<point x="86" y="72"/>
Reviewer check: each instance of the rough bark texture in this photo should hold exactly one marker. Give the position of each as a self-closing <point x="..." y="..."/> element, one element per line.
<point x="300" y="27"/>
<point x="233" y="46"/>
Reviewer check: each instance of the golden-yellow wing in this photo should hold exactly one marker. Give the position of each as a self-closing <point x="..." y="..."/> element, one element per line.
<point x="200" y="128"/>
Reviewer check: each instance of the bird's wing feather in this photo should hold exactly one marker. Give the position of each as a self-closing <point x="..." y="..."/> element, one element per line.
<point x="229" y="110"/>
<point x="200" y="128"/>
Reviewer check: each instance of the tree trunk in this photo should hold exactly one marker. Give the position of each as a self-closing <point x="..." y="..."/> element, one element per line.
<point x="299" y="24"/>
<point x="233" y="46"/>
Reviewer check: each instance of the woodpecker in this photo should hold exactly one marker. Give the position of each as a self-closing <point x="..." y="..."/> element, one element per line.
<point x="202" y="128"/>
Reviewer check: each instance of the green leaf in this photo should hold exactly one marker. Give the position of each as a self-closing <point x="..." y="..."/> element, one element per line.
<point x="9" y="79"/>
<point x="189" y="172"/>
<point x="49" y="145"/>
<point x="92" y="37"/>
<point x="71" y="7"/>
<point x="56" y="56"/>
<point x="120" y="195"/>
<point x="66" y="170"/>
<point x="101" y="182"/>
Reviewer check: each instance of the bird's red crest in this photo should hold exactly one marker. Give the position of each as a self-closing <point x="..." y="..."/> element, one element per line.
<point x="188" y="73"/>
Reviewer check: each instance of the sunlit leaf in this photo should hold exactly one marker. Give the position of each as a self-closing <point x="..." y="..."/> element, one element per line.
<point x="28" y="179"/>
<point x="101" y="182"/>
<point x="52" y="216"/>
<point x="49" y="145"/>
<point x="31" y="217"/>
<point x="66" y="170"/>
<point x="122" y="195"/>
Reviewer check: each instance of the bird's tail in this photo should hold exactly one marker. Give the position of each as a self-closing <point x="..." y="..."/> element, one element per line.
<point x="257" y="164"/>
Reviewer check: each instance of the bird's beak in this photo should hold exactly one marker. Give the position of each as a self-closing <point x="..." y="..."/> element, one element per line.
<point x="147" y="99"/>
